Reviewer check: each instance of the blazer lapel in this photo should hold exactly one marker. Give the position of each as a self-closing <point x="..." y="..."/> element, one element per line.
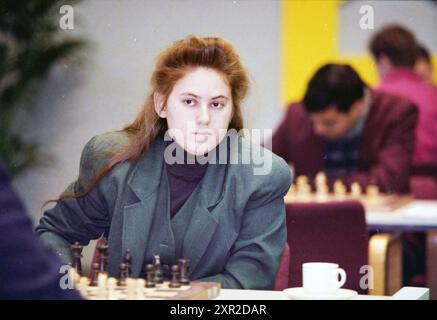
<point x="138" y="214"/>
<point x="204" y="220"/>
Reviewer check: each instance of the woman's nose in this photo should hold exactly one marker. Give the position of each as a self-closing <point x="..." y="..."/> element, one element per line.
<point x="203" y="116"/>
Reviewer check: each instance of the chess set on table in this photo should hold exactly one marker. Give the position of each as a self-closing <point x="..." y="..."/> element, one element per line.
<point x="371" y="197"/>
<point x="99" y="286"/>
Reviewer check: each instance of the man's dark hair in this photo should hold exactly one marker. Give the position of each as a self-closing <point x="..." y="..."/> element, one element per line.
<point x="397" y="43"/>
<point x="422" y="52"/>
<point x="333" y="85"/>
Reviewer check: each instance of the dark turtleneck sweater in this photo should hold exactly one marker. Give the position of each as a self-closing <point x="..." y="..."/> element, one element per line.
<point x="183" y="179"/>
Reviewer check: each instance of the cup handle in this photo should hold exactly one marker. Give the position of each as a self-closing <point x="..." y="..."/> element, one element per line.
<point x="342" y="280"/>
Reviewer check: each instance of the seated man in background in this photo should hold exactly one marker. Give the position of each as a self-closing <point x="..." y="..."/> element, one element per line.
<point x="349" y="131"/>
<point x="27" y="270"/>
<point x="395" y="49"/>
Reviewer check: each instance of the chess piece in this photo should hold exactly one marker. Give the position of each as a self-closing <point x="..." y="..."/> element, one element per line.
<point x="321" y="182"/>
<point x="102" y="248"/>
<point x="303" y="188"/>
<point x="321" y="179"/>
<point x="128" y="261"/>
<point x="372" y="190"/>
<point x="339" y="188"/>
<point x="76" y="249"/>
<point x="183" y="268"/>
<point x="95" y="270"/>
<point x="356" y="189"/>
<point x="122" y="275"/>
<point x="150" y="276"/>
<point x="158" y="271"/>
<point x="301" y="180"/>
<point x="174" y="282"/>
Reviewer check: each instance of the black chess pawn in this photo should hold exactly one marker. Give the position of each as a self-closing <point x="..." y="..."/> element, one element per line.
<point x="122" y="275"/>
<point x="183" y="268"/>
<point x="95" y="270"/>
<point x="76" y="249"/>
<point x="127" y="259"/>
<point x="150" y="276"/>
<point x="157" y="266"/>
<point x="174" y="282"/>
<point x="103" y="254"/>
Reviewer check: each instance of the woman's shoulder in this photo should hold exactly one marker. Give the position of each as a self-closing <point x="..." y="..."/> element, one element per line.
<point x="261" y="166"/>
<point x="101" y="148"/>
<point x="98" y="152"/>
<point x="107" y="143"/>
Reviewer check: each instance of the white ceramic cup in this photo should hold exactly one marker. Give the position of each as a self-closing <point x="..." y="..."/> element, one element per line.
<point x="322" y="278"/>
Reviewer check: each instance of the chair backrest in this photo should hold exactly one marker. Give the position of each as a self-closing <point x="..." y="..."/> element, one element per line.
<point x="328" y="232"/>
<point x="282" y="275"/>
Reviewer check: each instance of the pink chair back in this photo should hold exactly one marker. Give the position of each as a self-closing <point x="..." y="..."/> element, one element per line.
<point x="328" y="232"/>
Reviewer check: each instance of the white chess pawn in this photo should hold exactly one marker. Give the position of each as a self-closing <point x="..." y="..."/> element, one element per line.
<point x="321" y="179"/>
<point x="302" y="186"/>
<point x="322" y="193"/>
<point x="372" y="190"/>
<point x="339" y="188"/>
<point x="356" y="189"/>
<point x="322" y="188"/>
<point x="301" y="180"/>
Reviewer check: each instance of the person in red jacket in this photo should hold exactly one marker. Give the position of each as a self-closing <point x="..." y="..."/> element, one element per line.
<point x="395" y="51"/>
<point x="349" y="131"/>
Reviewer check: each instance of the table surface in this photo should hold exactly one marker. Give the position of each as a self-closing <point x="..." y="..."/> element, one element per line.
<point x="419" y="215"/>
<point x="406" y="293"/>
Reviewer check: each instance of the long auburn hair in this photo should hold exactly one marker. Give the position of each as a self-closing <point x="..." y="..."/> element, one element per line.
<point x="172" y="64"/>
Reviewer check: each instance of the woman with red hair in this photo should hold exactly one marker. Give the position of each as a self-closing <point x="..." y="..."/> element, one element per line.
<point x="172" y="182"/>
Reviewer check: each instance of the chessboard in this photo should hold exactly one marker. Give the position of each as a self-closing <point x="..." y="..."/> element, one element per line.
<point x="135" y="289"/>
<point x="371" y="198"/>
<point x="99" y="286"/>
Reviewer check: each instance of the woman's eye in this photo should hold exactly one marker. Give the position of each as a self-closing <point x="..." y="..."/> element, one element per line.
<point x="189" y="102"/>
<point x="217" y="105"/>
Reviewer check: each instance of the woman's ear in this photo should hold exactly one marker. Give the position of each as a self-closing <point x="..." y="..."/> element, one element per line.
<point x="159" y="101"/>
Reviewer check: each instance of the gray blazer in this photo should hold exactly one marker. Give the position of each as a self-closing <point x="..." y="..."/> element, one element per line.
<point x="236" y="233"/>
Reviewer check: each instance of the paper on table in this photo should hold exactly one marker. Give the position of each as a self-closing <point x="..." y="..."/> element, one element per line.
<point x="426" y="211"/>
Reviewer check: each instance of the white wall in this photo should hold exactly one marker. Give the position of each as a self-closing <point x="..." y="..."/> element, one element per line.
<point x="105" y="92"/>
<point x="418" y="16"/>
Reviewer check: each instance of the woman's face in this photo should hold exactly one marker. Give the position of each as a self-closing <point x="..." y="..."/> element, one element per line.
<point x="198" y="110"/>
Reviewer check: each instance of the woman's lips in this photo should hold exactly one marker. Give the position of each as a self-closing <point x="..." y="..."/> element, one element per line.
<point x="201" y="136"/>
